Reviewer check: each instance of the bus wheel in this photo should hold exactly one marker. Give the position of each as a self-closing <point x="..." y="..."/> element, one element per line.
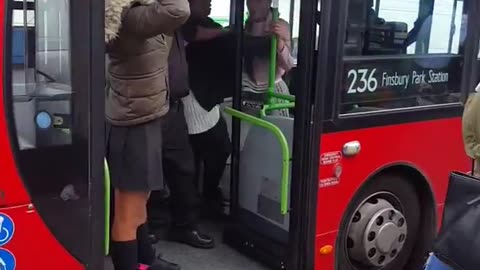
<point x="381" y="226"/>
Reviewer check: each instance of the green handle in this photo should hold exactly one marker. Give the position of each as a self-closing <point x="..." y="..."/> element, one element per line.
<point x="273" y="107"/>
<point x="106" y="172"/>
<point x="284" y="147"/>
<point x="286" y="97"/>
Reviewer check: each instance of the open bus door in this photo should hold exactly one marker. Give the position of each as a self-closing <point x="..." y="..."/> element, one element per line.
<point x="274" y="161"/>
<point x="51" y="135"/>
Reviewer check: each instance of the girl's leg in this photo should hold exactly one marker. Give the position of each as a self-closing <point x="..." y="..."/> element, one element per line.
<point x="146" y="252"/>
<point x="130" y="213"/>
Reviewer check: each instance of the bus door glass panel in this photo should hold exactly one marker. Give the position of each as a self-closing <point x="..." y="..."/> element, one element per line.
<point x="51" y="148"/>
<point x="260" y="172"/>
<point x="401" y="56"/>
<point x="220" y="12"/>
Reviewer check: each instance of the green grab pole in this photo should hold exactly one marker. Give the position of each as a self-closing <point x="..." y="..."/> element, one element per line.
<point x="272" y="73"/>
<point x="284" y="149"/>
<point x="283" y="96"/>
<point x="106" y="172"/>
<point x="274" y="107"/>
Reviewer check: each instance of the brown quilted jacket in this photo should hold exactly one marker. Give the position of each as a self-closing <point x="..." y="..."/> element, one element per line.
<point x="138" y="34"/>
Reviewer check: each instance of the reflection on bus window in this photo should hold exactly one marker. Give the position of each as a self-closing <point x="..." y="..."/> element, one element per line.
<point x="41" y="72"/>
<point x="404" y="27"/>
<point x="401" y="54"/>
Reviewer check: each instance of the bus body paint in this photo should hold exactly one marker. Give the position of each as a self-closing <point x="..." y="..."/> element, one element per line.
<point x="33" y="245"/>
<point x="11" y="188"/>
<point x="434" y="147"/>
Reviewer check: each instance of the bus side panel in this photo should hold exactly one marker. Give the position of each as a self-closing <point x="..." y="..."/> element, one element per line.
<point x="433" y="147"/>
<point x="12" y="191"/>
<point x="33" y="245"/>
<point x="327" y="261"/>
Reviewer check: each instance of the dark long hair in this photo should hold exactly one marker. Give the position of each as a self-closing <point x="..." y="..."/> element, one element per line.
<point x="256" y="47"/>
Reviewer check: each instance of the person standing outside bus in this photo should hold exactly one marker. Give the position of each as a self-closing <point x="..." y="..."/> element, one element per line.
<point x="137" y="43"/>
<point x="207" y="128"/>
<point x="471" y="129"/>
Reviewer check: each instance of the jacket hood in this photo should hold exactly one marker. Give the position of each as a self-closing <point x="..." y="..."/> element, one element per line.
<point x="113" y="15"/>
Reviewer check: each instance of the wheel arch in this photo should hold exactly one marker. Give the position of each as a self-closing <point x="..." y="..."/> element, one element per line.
<point x="428" y="226"/>
<point x="424" y="191"/>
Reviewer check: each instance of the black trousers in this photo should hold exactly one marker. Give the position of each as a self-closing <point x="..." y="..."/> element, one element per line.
<point x="178" y="168"/>
<point x="212" y="149"/>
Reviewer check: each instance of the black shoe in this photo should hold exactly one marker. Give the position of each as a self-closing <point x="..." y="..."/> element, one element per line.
<point x="161" y="264"/>
<point x="192" y="237"/>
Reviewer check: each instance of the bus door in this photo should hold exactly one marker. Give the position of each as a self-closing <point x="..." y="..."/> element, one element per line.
<point x="54" y="109"/>
<point x="270" y="116"/>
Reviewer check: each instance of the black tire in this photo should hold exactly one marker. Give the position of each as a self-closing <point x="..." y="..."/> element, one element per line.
<point x="409" y="206"/>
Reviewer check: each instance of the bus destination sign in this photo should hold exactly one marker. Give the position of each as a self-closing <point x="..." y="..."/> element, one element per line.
<point x="380" y="79"/>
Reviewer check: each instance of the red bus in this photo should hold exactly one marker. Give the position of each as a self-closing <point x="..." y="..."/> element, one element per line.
<point x="354" y="178"/>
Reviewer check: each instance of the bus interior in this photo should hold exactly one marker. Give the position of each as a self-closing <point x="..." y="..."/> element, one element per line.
<point x="50" y="118"/>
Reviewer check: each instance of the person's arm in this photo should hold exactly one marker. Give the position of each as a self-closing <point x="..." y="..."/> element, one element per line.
<point x="160" y="17"/>
<point x="471" y="128"/>
<point x="204" y="33"/>
<point x="285" y="59"/>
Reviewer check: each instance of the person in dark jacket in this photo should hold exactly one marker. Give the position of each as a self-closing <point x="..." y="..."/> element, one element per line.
<point x="206" y="127"/>
<point x="138" y="38"/>
<point x="178" y="158"/>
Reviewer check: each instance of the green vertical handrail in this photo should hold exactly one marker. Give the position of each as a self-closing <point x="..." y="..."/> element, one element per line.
<point x="106" y="172"/>
<point x="284" y="187"/>
<point x="272" y="73"/>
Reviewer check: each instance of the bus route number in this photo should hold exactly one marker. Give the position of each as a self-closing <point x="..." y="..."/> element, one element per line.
<point x="362" y="80"/>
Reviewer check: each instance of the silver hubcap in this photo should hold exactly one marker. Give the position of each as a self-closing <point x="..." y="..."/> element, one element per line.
<point x="377" y="233"/>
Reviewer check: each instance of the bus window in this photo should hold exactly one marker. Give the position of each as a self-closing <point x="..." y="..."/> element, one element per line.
<point x="398" y="55"/>
<point x="40" y="74"/>
<point x="48" y="121"/>
<point x="221" y="12"/>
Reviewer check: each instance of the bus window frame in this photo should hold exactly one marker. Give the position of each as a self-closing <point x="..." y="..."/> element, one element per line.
<point x="334" y="121"/>
<point x="305" y="164"/>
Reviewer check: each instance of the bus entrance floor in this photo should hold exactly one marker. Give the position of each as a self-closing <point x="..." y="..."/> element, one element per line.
<point x="222" y="257"/>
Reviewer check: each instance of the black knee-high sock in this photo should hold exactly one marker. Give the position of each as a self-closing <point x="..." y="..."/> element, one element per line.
<point x="146" y="252"/>
<point x="124" y="255"/>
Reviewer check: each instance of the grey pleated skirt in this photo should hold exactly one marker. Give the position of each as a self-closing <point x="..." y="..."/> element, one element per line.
<point x="134" y="155"/>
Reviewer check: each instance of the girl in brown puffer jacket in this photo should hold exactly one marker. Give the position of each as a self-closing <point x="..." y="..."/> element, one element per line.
<point x="138" y="38"/>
